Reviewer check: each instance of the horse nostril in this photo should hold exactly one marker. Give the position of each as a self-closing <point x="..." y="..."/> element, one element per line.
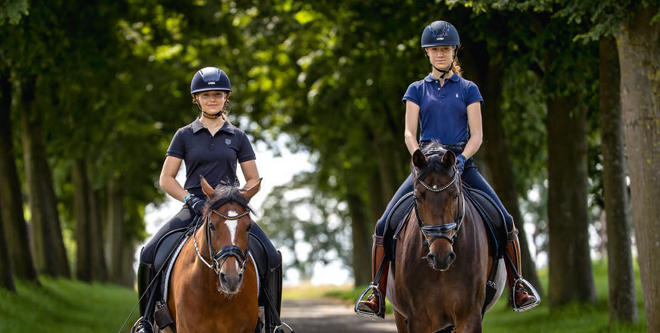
<point x="223" y="278"/>
<point x="430" y="257"/>
<point x="452" y="256"/>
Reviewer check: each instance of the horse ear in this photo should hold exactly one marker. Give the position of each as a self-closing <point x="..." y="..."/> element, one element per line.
<point x="449" y="159"/>
<point x="248" y="193"/>
<point x="208" y="190"/>
<point x="418" y="159"/>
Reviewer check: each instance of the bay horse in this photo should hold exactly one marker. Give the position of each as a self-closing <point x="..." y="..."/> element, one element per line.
<point x="214" y="283"/>
<point x="441" y="255"/>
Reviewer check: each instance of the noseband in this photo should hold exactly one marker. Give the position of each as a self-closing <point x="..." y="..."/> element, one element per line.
<point x="434" y="232"/>
<point x="226" y="252"/>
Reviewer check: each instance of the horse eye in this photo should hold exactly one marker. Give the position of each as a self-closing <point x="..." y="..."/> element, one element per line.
<point x="212" y="226"/>
<point x="456" y="197"/>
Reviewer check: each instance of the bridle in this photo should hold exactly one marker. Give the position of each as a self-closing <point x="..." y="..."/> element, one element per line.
<point x="225" y="252"/>
<point x="441" y="231"/>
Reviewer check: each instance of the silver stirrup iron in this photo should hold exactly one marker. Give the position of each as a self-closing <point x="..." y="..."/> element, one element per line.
<point x="280" y="328"/>
<point x="530" y="289"/>
<point x="374" y="289"/>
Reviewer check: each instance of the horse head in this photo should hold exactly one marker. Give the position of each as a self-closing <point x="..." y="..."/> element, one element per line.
<point x="439" y="202"/>
<point x="225" y="233"/>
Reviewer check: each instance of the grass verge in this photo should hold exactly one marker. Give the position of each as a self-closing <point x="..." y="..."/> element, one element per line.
<point x="66" y="306"/>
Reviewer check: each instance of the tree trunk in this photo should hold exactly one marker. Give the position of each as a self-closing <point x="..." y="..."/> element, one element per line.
<point x="570" y="270"/>
<point x="99" y="266"/>
<point x="362" y="237"/>
<point x="622" y="300"/>
<point x="15" y="228"/>
<point x="127" y="277"/>
<point x="48" y="246"/>
<point x="115" y="232"/>
<point x="6" y="277"/>
<point x="83" y="229"/>
<point x="639" y="46"/>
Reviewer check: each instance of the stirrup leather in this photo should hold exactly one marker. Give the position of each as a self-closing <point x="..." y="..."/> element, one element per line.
<point x="380" y="314"/>
<point x="530" y="289"/>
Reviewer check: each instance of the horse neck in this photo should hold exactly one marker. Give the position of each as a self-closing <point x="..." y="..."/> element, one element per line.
<point x="472" y="230"/>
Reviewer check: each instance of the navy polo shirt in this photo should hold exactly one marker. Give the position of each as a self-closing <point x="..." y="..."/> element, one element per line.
<point x="212" y="156"/>
<point x="443" y="110"/>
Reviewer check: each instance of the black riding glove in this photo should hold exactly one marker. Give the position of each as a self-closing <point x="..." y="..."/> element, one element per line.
<point x="196" y="205"/>
<point x="460" y="163"/>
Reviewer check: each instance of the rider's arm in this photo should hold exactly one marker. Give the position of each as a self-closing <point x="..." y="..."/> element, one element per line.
<point x="412" y="120"/>
<point x="476" y="132"/>
<point x="250" y="172"/>
<point x="168" y="181"/>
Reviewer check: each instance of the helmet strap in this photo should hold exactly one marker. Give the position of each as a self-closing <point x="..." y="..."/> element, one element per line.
<point x="443" y="71"/>
<point x="213" y="116"/>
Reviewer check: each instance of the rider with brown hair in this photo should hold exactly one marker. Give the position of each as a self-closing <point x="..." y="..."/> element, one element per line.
<point x="448" y="110"/>
<point x="211" y="147"/>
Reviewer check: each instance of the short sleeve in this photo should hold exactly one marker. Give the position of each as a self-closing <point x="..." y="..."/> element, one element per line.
<point x="245" y="153"/>
<point x="412" y="94"/>
<point x="177" y="146"/>
<point x="473" y="94"/>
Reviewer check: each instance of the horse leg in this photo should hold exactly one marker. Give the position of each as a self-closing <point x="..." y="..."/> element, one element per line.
<point x="401" y="325"/>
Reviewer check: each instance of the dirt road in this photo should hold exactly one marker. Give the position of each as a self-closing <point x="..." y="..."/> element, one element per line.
<point x="326" y="315"/>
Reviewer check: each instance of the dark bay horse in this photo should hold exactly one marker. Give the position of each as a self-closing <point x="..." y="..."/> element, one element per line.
<point x="214" y="286"/>
<point x="442" y="254"/>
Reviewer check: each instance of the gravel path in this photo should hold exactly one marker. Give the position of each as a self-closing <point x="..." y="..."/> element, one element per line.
<point x="326" y="315"/>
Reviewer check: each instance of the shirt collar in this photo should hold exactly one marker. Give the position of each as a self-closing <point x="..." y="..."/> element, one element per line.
<point x="430" y="78"/>
<point x="226" y="127"/>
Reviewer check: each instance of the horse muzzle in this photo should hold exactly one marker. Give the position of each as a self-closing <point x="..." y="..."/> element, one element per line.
<point x="230" y="283"/>
<point x="441" y="262"/>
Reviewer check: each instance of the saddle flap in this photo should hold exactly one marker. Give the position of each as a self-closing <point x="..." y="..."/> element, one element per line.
<point x="258" y="251"/>
<point x="165" y="246"/>
<point x="493" y="218"/>
<point x="393" y="222"/>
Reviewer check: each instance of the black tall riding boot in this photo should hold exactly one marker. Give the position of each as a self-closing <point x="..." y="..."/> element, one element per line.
<point x="274" y="281"/>
<point x="144" y="280"/>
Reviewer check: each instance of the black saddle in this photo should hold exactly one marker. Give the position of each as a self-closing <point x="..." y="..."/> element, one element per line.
<point x="493" y="218"/>
<point x="393" y="222"/>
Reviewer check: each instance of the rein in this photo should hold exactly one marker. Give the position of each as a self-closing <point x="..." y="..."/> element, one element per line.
<point x="441" y="231"/>
<point x="225" y="252"/>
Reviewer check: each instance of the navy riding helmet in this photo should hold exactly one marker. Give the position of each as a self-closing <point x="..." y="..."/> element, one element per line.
<point x="209" y="78"/>
<point x="440" y="33"/>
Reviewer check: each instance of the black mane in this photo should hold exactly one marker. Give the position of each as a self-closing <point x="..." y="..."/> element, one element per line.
<point x="433" y="152"/>
<point x="225" y="194"/>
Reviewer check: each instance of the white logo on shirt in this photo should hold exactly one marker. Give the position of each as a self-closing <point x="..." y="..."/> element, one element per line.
<point x="456" y="95"/>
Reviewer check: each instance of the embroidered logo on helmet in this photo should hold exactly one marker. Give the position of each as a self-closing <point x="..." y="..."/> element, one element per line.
<point x="212" y="82"/>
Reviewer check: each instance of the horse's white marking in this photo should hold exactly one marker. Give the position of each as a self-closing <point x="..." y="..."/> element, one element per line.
<point x="232" y="225"/>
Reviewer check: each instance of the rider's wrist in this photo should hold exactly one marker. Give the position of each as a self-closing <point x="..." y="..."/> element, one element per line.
<point x="187" y="197"/>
